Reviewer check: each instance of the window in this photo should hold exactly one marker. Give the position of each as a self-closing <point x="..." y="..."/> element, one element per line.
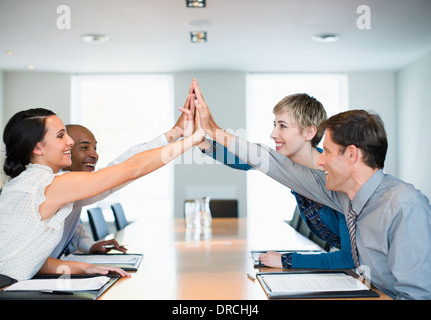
<point x="264" y="195"/>
<point x="122" y="111"/>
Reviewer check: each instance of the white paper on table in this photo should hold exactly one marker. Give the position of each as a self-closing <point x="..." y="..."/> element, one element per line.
<point x="103" y="258"/>
<point x="60" y="284"/>
<point x="312" y="282"/>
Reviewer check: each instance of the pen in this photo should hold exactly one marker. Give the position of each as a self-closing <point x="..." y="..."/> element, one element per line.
<point x="251" y="277"/>
<point x="110" y="246"/>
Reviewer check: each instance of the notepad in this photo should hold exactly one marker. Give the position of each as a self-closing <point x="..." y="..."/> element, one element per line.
<point x="60" y="284"/>
<point x="109" y="259"/>
<point x="312" y="285"/>
<point x="127" y="262"/>
<point x="312" y="282"/>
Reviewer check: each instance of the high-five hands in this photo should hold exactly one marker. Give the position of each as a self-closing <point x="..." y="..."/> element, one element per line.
<point x="197" y="119"/>
<point x="206" y="119"/>
<point x="185" y="123"/>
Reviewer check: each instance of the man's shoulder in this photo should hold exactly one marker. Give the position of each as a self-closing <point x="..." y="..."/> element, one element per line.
<point x="398" y="192"/>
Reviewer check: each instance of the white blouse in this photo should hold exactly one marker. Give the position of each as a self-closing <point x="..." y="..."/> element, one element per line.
<point x="25" y="240"/>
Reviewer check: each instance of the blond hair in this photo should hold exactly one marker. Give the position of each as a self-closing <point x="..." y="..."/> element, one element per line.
<point x="306" y="111"/>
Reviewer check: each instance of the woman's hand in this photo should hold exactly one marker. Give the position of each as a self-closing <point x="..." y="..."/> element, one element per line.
<point x="199" y="134"/>
<point x="185" y="123"/>
<point x="206" y="120"/>
<point x="104" y="270"/>
<point x="271" y="259"/>
<point x="56" y="266"/>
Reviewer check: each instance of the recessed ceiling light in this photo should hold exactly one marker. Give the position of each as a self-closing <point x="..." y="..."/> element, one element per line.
<point x="9" y="53"/>
<point x="94" y="38"/>
<point x="326" y="37"/>
<point x="31" y="67"/>
<point x="198" y="36"/>
<point x="195" y="3"/>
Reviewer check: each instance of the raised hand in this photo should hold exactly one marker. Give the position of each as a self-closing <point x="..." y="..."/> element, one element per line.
<point x="206" y="120"/>
<point x="185" y="123"/>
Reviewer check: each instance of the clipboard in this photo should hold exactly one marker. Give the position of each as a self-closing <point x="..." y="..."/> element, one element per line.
<point x="255" y="254"/>
<point x="78" y="295"/>
<point x="355" y="289"/>
<point x="98" y="259"/>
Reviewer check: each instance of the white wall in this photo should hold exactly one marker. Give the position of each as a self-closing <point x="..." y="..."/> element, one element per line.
<point x="375" y="90"/>
<point x="414" y="115"/>
<point x="25" y="90"/>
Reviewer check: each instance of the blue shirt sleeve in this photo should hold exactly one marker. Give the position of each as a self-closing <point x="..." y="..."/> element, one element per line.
<point x="341" y="259"/>
<point x="222" y="155"/>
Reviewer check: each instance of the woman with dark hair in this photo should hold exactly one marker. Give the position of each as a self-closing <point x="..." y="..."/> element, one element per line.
<point x="38" y="197"/>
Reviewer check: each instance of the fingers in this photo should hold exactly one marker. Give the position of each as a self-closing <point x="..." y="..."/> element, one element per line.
<point x="192" y="103"/>
<point x="197" y="90"/>
<point x="271" y="259"/>
<point x="198" y="93"/>
<point x="106" y="246"/>
<point x="198" y="119"/>
<point x="189" y="101"/>
<point x="187" y="113"/>
<point x="120" y="271"/>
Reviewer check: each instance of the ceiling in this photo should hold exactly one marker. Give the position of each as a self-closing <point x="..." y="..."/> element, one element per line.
<point x="243" y="35"/>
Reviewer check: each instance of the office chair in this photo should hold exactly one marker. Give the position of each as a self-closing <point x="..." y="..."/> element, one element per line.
<point x="322" y="243"/>
<point x="98" y="225"/>
<point x="224" y="208"/>
<point x="296" y="219"/>
<point x="120" y="217"/>
<point x="220" y="208"/>
<point x="299" y="225"/>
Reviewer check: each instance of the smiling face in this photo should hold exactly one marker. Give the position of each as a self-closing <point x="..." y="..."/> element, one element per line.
<point x="54" y="149"/>
<point x="84" y="154"/>
<point x="335" y="164"/>
<point x="287" y="135"/>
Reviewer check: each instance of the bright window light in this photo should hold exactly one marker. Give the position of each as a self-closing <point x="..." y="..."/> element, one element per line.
<point x="266" y="196"/>
<point x="123" y="111"/>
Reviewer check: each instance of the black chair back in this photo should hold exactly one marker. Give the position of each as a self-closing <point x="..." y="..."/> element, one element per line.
<point x="224" y="208"/>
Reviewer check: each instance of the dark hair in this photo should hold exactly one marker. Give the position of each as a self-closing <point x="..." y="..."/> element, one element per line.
<point x="21" y="134"/>
<point x="362" y="129"/>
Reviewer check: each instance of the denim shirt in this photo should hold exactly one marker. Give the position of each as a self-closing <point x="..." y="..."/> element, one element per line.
<point x="324" y="222"/>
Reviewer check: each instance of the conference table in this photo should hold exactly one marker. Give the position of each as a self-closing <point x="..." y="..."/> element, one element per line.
<point x="206" y="263"/>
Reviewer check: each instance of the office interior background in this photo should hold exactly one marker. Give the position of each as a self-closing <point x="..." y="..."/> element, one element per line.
<point x="127" y="89"/>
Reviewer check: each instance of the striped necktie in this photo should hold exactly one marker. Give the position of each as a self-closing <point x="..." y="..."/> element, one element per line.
<point x="351" y="225"/>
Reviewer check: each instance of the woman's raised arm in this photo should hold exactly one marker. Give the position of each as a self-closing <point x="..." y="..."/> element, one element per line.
<point x="73" y="186"/>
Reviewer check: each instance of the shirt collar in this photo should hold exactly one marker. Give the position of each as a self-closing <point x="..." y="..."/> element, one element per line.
<point x="365" y="192"/>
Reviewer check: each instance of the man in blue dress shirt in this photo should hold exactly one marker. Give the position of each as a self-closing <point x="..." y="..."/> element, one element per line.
<point x="392" y="231"/>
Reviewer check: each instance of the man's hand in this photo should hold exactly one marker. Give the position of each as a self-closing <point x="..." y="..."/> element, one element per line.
<point x="106" y="246"/>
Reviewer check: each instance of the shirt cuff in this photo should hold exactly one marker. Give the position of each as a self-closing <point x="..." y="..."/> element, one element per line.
<point x="286" y="260"/>
<point x="85" y="245"/>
